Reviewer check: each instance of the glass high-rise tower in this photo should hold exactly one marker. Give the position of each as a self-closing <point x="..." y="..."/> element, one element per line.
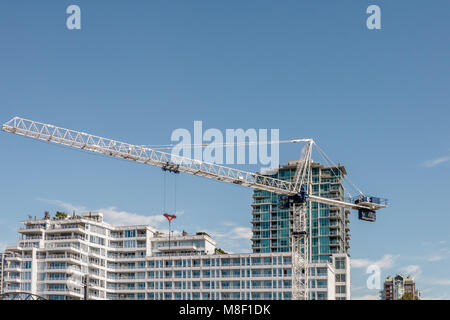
<point x="272" y="223"/>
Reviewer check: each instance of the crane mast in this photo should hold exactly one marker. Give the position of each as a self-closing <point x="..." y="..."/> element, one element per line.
<point x="300" y="237"/>
<point x="298" y="192"/>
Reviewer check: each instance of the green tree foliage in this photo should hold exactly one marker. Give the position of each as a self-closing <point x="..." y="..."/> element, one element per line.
<point x="220" y="251"/>
<point x="409" y="296"/>
<point x="60" y="214"/>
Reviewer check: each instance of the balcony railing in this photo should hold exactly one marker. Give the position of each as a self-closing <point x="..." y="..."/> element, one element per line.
<point x="65" y="238"/>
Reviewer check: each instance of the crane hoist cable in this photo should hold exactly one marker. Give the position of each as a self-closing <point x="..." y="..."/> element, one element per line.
<point x="175" y="193"/>
<point x="326" y="158"/>
<point x="164" y="192"/>
<point x="165" y="188"/>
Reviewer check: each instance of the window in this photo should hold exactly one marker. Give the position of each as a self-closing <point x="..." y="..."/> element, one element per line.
<point x="26" y="276"/>
<point x="321" y="295"/>
<point x="324" y="231"/>
<point x="340" y="263"/>
<point x="325" y="250"/>
<point x="321" y="271"/>
<point x="340" y="289"/>
<point x="267" y="296"/>
<point x="26" y="286"/>
<point x="256" y="296"/>
<point x="340" y="278"/>
<point x="130" y="233"/>
<point x="129" y="244"/>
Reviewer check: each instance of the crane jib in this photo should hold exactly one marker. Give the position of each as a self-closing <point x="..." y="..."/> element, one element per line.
<point x="167" y="161"/>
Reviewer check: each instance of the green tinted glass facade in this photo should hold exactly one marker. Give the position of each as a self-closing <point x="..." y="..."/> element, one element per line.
<point x="272" y="224"/>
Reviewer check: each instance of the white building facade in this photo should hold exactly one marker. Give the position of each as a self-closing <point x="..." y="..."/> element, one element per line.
<point x="82" y="257"/>
<point x="2" y="272"/>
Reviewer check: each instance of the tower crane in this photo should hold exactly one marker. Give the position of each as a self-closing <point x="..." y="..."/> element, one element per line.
<point x="297" y="192"/>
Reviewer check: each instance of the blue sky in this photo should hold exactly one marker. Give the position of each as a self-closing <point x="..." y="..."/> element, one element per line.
<point x="376" y="101"/>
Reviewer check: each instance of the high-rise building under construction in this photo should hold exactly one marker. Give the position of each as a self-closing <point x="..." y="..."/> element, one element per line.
<point x="327" y="227"/>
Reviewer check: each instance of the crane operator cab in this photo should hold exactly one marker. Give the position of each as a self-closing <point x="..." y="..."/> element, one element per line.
<point x="285" y="201"/>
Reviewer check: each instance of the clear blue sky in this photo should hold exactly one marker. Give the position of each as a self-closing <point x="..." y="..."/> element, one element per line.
<point x="376" y="101"/>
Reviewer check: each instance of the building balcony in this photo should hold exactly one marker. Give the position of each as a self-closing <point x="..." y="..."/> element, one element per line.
<point x="122" y="248"/>
<point x="334" y="235"/>
<point x="131" y="268"/>
<point x="96" y="297"/>
<point x="60" y="281"/>
<point x="257" y="196"/>
<point x="61" y="257"/>
<point x="12" y="290"/>
<point x="230" y="288"/>
<point x="28" y="243"/>
<point x="15" y="257"/>
<point x="125" y="258"/>
<point x="335" y="244"/>
<point x="30" y="229"/>
<point x="123" y="237"/>
<point x="97" y="275"/>
<point x="65" y="238"/>
<point x="13" y="248"/>
<point x="186" y="247"/>
<point x="257" y="204"/>
<point x="67" y="292"/>
<point x="96" y="286"/>
<point x="67" y="229"/>
<point x="31" y="238"/>
<point x="13" y="279"/>
<point x="125" y="279"/>
<point x="68" y="270"/>
<point x="125" y="289"/>
<point x="13" y="268"/>
<point x="63" y="246"/>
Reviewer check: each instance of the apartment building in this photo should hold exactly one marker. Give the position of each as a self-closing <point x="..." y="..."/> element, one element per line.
<point x="82" y="257"/>
<point x="396" y="287"/>
<point x="2" y="271"/>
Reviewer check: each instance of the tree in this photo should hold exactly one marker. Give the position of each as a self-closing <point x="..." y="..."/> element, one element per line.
<point x="220" y="251"/>
<point x="60" y="214"/>
<point x="409" y="296"/>
<point x="202" y="234"/>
